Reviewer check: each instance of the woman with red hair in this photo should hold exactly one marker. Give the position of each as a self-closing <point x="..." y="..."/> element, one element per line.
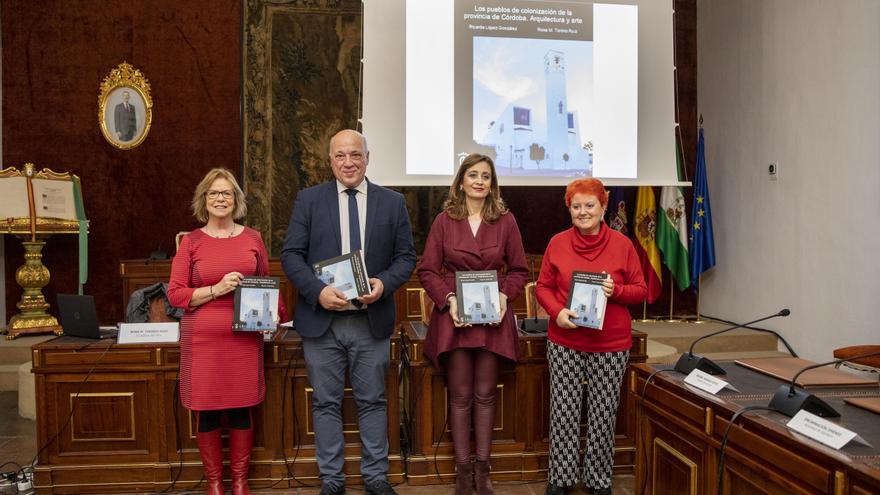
<point x="577" y="355"/>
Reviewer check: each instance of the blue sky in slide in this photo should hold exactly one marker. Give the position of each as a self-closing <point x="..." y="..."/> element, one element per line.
<point x="508" y="70"/>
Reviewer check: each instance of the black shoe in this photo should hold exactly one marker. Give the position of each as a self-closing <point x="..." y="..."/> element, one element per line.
<point x="380" y="487"/>
<point x="332" y="489"/>
<point x="601" y="491"/>
<point x="554" y="489"/>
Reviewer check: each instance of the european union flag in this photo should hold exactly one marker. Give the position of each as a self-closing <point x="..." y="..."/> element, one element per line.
<point x="702" y="242"/>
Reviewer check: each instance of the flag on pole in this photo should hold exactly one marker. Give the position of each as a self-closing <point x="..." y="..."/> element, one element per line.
<point x="702" y="242"/>
<point x="645" y="224"/>
<point x="672" y="230"/>
<point x="620" y="210"/>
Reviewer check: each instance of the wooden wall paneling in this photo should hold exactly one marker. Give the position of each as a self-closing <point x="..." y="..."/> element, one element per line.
<point x="761" y="456"/>
<point x="103" y="451"/>
<point x="673" y="470"/>
<point x="739" y="478"/>
<point x="681" y="460"/>
<point x="863" y="479"/>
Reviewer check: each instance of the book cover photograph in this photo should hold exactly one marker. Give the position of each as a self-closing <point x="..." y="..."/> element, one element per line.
<point x="479" y="302"/>
<point x="256" y="304"/>
<point x="348" y="273"/>
<point x="587" y="299"/>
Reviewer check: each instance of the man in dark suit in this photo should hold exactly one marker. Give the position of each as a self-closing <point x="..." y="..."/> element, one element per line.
<point x="124" y="119"/>
<point x="328" y="220"/>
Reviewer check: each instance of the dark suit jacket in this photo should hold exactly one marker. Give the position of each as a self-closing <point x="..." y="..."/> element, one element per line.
<point x="313" y="235"/>
<point x="125" y="121"/>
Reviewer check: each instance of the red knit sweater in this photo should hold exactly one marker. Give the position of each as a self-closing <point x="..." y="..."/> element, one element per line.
<point x="608" y="251"/>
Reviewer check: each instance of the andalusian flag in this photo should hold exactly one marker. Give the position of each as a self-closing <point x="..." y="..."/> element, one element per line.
<point x="672" y="231"/>
<point x="645" y="230"/>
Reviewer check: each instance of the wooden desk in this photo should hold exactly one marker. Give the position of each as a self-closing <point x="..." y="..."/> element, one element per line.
<point x="681" y="428"/>
<point x="128" y="431"/>
<point x="520" y="441"/>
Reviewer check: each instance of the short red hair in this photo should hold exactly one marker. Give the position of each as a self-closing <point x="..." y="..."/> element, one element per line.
<point x="589" y="186"/>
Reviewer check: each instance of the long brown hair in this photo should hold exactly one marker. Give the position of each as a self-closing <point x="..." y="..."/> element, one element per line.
<point x="456" y="204"/>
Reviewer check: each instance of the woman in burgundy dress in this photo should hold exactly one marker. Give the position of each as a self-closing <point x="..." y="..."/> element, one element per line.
<point x="221" y="371"/>
<point x="473" y="232"/>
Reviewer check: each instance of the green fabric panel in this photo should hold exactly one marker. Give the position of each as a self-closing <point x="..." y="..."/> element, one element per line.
<point x="83" y="235"/>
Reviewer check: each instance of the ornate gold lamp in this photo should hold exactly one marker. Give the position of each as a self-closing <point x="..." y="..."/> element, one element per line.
<point x="37" y="205"/>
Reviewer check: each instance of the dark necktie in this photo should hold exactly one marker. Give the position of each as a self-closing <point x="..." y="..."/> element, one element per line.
<point x="354" y="228"/>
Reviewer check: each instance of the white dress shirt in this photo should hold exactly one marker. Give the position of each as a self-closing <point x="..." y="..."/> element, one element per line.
<point x="361" y="198"/>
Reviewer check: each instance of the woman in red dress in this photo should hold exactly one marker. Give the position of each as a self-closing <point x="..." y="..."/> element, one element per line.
<point x="474" y="231"/>
<point x="221" y="371"/>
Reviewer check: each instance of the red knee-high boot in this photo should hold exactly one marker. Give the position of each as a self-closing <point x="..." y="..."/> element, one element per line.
<point x="240" y="442"/>
<point x="211" y="450"/>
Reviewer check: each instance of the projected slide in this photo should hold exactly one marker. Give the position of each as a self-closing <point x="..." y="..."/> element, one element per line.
<point x="523" y="83"/>
<point x="551" y="90"/>
<point x="528" y="96"/>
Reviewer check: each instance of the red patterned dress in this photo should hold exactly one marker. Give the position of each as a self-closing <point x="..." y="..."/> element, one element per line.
<point x="219" y="368"/>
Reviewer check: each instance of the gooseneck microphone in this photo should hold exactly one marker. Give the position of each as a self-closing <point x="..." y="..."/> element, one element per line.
<point x="789" y="399"/>
<point x="690" y="361"/>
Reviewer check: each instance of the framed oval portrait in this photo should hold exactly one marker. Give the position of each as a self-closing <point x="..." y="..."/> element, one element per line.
<point x="125" y="110"/>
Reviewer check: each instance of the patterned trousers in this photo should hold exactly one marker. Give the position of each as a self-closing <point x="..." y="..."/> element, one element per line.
<point x="602" y="372"/>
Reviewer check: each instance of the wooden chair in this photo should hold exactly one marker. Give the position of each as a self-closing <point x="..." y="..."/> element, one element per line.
<point x="533" y="309"/>
<point x="178" y="238"/>
<point x="868" y="364"/>
<point x="426" y="306"/>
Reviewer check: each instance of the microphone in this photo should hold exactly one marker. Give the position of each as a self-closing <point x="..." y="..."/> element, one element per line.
<point x="690" y="361"/>
<point x="534" y="325"/>
<point x="789" y="399"/>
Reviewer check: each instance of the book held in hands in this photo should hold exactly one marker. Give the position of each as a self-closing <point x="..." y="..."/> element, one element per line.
<point x="479" y="302"/>
<point x="256" y="304"/>
<point x="347" y="273"/>
<point x="587" y="298"/>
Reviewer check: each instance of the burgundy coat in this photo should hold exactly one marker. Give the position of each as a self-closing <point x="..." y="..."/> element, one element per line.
<point x="451" y="247"/>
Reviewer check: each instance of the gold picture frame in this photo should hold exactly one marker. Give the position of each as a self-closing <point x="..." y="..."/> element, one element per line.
<point x="125" y="107"/>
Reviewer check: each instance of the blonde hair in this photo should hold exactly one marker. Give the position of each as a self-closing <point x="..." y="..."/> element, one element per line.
<point x="456" y="204"/>
<point x="200" y="197"/>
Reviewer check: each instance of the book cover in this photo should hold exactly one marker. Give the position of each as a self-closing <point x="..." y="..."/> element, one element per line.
<point x="479" y="302"/>
<point x="587" y="299"/>
<point x="256" y="304"/>
<point x="348" y="273"/>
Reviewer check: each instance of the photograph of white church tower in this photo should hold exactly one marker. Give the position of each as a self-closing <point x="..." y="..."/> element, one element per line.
<point x="538" y="130"/>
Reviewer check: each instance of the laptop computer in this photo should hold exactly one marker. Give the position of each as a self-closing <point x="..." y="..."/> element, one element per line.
<point x="79" y="318"/>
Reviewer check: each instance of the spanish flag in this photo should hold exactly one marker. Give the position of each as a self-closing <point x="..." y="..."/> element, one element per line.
<point x="645" y="226"/>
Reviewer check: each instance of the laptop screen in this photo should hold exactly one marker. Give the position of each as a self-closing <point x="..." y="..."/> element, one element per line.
<point x="78" y="316"/>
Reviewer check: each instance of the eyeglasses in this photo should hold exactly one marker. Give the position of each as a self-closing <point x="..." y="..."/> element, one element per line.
<point x="355" y="156"/>
<point x="217" y="194"/>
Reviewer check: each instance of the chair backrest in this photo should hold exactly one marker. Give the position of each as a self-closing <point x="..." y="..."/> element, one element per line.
<point x="426" y="306"/>
<point x="857" y="350"/>
<point x="533" y="309"/>
<point x="178" y="238"/>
